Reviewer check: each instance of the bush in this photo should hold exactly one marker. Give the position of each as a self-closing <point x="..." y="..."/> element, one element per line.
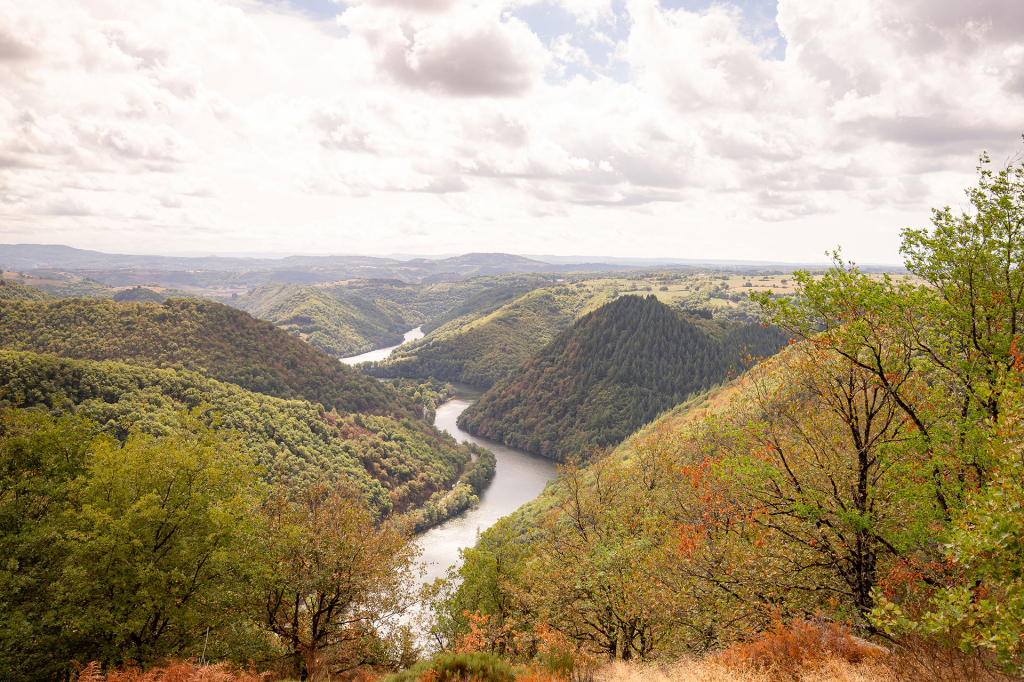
<point x="478" y="666"/>
<point x="801" y="644"/>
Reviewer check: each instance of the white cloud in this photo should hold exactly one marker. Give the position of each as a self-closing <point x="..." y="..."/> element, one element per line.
<point x="451" y="125"/>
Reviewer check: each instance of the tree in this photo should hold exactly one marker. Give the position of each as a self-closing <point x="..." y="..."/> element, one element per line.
<point x="39" y="458"/>
<point x="154" y="543"/>
<point x="332" y="579"/>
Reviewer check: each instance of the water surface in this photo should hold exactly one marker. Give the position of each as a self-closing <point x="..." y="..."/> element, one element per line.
<point x="383" y="353"/>
<point x="519" y="477"/>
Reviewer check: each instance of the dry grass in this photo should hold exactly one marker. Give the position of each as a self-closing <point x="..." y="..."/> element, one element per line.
<point x="178" y="671"/>
<point x="715" y="670"/>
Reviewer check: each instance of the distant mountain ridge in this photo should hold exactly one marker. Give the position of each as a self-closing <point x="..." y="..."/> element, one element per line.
<point x="295" y="269"/>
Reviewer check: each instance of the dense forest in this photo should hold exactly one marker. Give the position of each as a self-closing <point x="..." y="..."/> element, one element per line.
<point x="396" y="465"/>
<point x="221" y="342"/>
<point x="16" y="291"/>
<point x="482" y="347"/>
<point x="340" y="326"/>
<point x="616" y="369"/>
<point x="434" y="300"/>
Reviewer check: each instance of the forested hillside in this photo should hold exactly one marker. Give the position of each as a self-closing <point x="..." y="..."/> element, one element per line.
<point x="397" y="465"/>
<point x="482" y="350"/>
<point x="16" y="291"/>
<point x="485" y="302"/>
<point x="616" y="369"/>
<point x="218" y="341"/>
<point x="434" y="300"/>
<point x="340" y="326"/>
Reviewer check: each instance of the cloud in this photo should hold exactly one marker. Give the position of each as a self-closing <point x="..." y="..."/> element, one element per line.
<point x="470" y="53"/>
<point x="457" y="123"/>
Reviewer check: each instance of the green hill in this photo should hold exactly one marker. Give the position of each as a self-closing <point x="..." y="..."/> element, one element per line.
<point x="139" y="295"/>
<point x="615" y="370"/>
<point x="338" y="326"/>
<point x="216" y="340"/>
<point x="16" y="291"/>
<point x="480" y="350"/>
<point x="397" y="464"/>
<point x="484" y="302"/>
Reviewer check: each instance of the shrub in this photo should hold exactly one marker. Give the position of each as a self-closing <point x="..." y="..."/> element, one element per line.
<point x="801" y="644"/>
<point x="478" y="666"/>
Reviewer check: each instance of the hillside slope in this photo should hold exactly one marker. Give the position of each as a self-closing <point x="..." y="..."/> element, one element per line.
<point x="338" y="326"/>
<point x="16" y="291"/>
<point x="218" y="341"/>
<point x="398" y="465"/>
<point x="482" y="350"/>
<point x="615" y="370"/>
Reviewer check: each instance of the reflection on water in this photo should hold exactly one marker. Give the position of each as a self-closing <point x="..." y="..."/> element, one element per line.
<point x="519" y="477"/>
<point x="383" y="353"/>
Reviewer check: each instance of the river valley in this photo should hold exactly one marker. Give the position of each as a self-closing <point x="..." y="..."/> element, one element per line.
<point x="519" y="477"/>
<point x="383" y="353"/>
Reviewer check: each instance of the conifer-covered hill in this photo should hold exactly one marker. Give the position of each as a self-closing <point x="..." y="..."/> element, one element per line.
<point x="216" y="340"/>
<point x="483" y="346"/>
<point x="398" y="465"/>
<point x="339" y="326"/>
<point x="16" y="291"/>
<point x="612" y="372"/>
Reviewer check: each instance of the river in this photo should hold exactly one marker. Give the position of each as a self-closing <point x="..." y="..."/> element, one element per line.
<point x="383" y="353"/>
<point x="519" y="477"/>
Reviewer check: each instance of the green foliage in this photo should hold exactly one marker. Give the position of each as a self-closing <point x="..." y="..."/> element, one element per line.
<point x="40" y="458"/>
<point x="484" y="582"/>
<point x="153" y="542"/>
<point x="478" y="665"/>
<point x="427" y="393"/>
<point x="465" y="494"/>
<point x="485" y="302"/>
<point x="16" y="291"/>
<point x="615" y="370"/>
<point x="430" y="299"/>
<point x="397" y="465"/>
<point x="218" y="341"/>
<point x="480" y="350"/>
<point x="338" y="326"/>
<point x="115" y="551"/>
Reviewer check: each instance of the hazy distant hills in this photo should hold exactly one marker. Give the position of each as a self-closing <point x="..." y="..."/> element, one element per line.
<point x="128" y="270"/>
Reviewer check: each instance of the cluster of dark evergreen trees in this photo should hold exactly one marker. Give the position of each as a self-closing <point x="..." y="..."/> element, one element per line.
<point x="615" y="370"/>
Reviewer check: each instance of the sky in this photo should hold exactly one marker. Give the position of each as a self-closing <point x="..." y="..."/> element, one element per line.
<point x="749" y="130"/>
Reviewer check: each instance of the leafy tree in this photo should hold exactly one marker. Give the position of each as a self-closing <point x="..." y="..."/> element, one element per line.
<point x="331" y="577"/>
<point x="154" y="542"/>
<point x="40" y="457"/>
<point x="116" y="552"/>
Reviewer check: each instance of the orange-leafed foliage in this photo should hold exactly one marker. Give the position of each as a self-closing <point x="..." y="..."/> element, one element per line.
<point x="175" y="671"/>
<point x="799" y="645"/>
